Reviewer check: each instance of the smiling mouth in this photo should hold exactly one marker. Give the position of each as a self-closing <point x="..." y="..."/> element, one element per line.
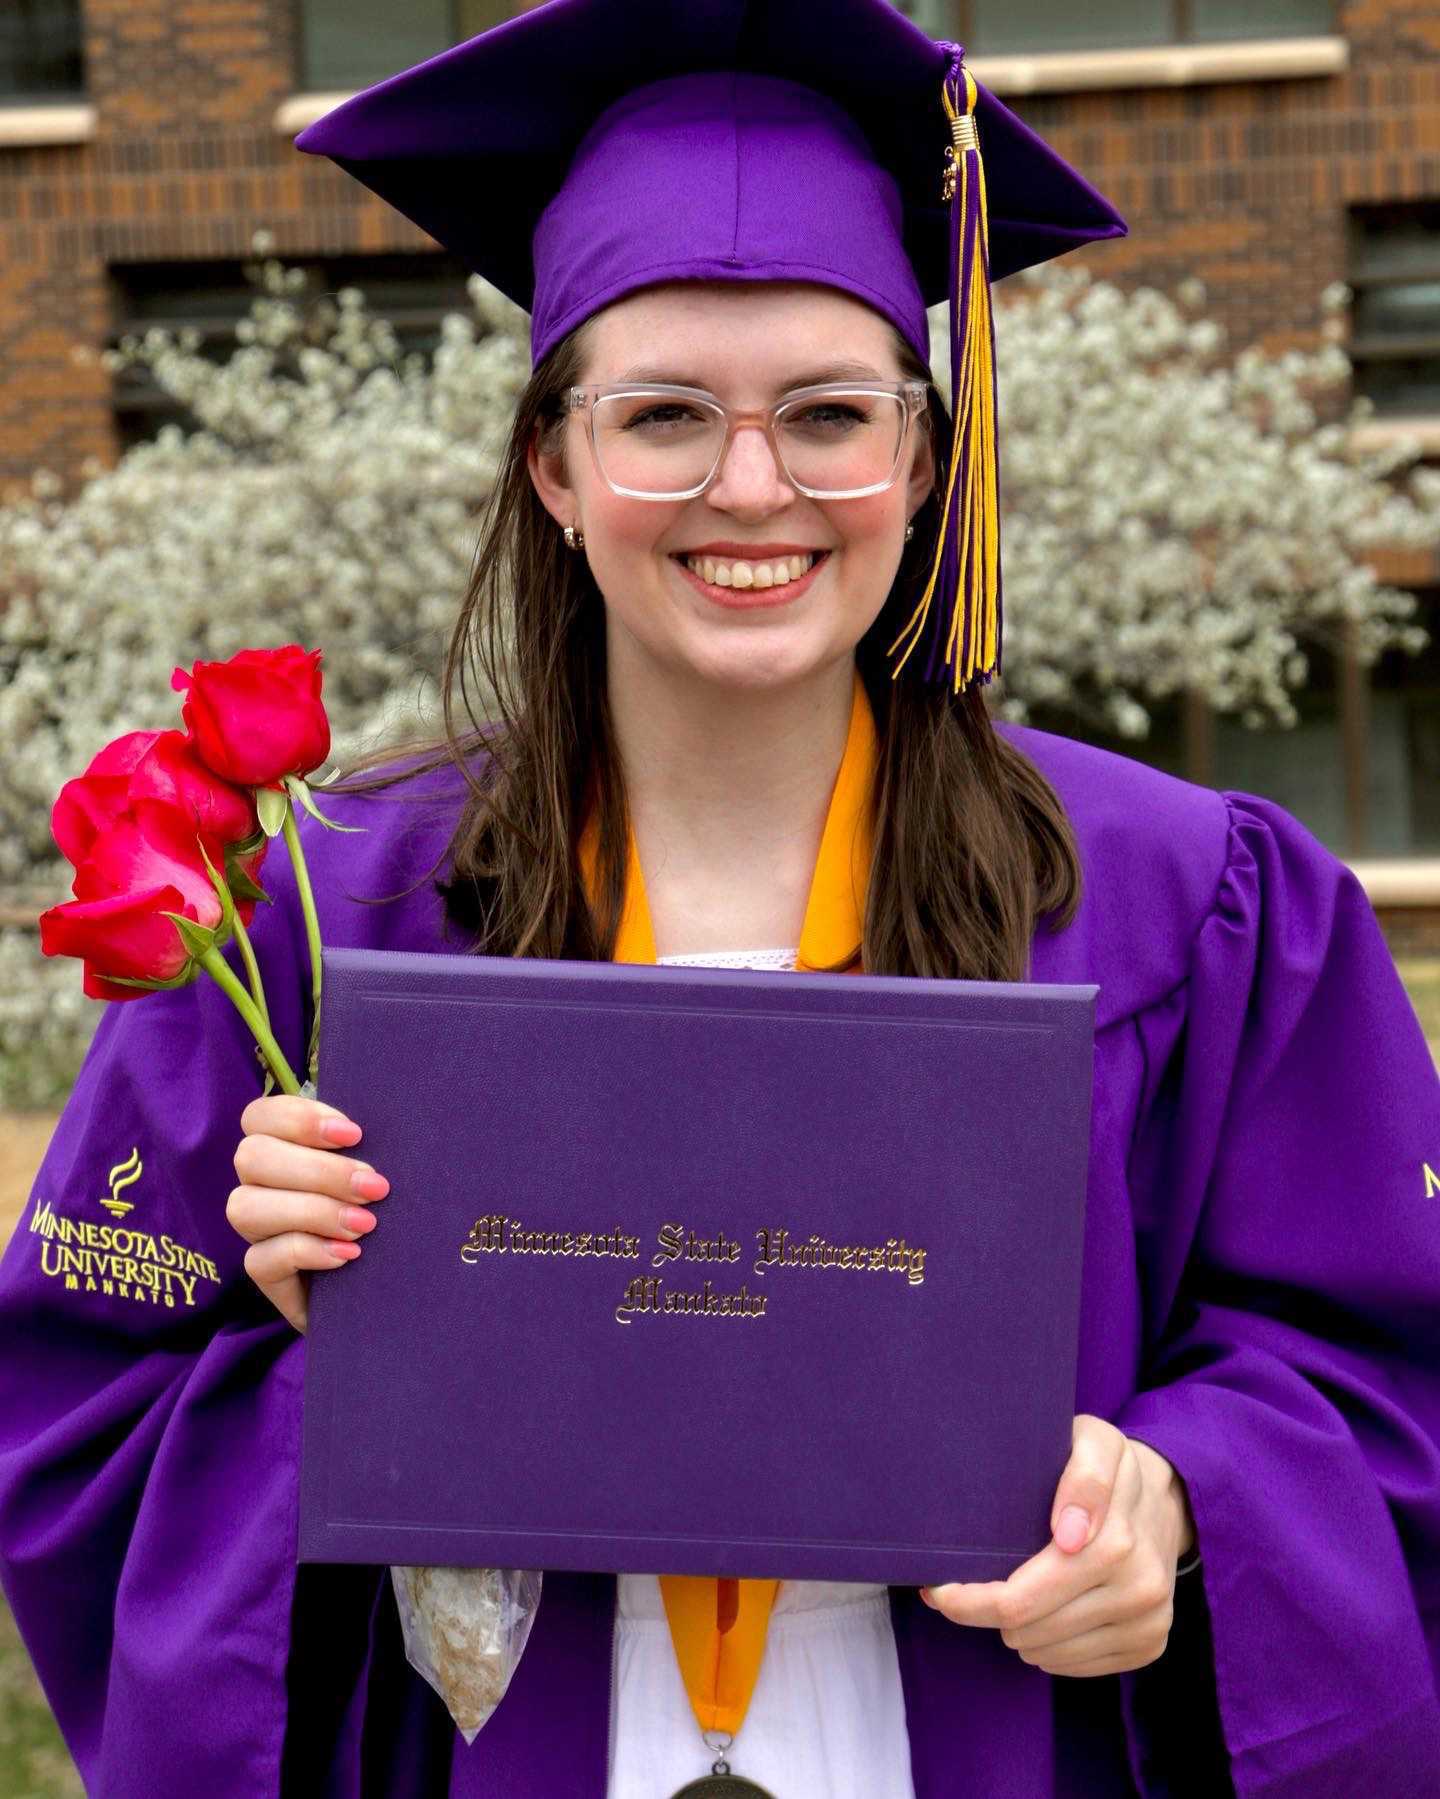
<point x="730" y="571"/>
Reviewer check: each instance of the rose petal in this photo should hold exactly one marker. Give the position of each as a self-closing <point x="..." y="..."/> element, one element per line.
<point x="125" y="934"/>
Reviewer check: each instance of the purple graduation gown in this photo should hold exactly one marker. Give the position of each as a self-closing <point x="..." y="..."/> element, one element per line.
<point x="1261" y="1305"/>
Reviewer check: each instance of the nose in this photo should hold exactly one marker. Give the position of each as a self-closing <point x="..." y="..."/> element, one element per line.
<point x="750" y="479"/>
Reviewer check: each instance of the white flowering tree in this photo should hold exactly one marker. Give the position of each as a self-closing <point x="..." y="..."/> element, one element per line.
<point x="1179" y="520"/>
<point x="1175" y="520"/>
<point x="329" y="496"/>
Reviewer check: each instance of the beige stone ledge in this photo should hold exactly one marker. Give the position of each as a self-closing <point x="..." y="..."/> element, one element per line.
<point x="1168" y="65"/>
<point x="1384" y="434"/>
<point x="1403" y="881"/>
<point x="27" y="125"/>
<point x="300" y="110"/>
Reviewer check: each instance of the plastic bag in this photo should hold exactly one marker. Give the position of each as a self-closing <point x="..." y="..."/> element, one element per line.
<point x="465" y="1631"/>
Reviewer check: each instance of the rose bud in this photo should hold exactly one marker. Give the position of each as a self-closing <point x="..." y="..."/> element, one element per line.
<point x="258" y="717"/>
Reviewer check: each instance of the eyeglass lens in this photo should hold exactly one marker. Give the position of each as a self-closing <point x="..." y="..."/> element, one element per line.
<point x="837" y="442"/>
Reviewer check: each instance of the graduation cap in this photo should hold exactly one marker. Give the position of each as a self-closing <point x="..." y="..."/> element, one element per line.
<point x="590" y="148"/>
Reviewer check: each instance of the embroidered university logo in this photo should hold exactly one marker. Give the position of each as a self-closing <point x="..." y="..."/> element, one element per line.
<point x="124" y="1263"/>
<point x="122" y="1175"/>
<point x="1432" y="1181"/>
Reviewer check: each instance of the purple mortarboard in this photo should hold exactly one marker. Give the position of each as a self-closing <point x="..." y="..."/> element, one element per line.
<point x="593" y="147"/>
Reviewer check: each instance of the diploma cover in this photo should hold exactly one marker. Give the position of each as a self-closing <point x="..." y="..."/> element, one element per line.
<point x="695" y="1271"/>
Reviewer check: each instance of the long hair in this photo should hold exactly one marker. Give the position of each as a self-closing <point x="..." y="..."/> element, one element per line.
<point x="972" y="847"/>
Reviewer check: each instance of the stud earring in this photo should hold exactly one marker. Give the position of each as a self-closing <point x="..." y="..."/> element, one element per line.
<point x="574" y="538"/>
<point x="909" y="532"/>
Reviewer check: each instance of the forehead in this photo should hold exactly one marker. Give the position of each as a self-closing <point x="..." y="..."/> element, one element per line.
<point x="708" y="333"/>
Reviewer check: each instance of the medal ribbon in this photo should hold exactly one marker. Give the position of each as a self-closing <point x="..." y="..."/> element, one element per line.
<point x="718" y="1626"/>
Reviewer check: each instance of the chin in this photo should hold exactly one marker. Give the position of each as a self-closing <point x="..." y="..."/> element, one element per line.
<point x="759" y="661"/>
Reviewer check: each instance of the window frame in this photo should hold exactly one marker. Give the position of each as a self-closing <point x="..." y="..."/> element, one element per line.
<point x="38" y="96"/>
<point x="308" y="82"/>
<point x="1182" y="18"/>
<point x="1369" y="349"/>
<point x="152" y="293"/>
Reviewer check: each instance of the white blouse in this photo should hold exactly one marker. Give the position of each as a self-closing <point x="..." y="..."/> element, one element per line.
<point x="827" y="1720"/>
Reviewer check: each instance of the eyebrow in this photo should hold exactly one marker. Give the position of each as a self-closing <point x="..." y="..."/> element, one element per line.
<point x="816" y="377"/>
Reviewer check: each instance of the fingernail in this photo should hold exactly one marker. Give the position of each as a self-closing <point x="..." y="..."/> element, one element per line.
<point x="342" y="1252"/>
<point x="925" y="1595"/>
<point x="339" y="1130"/>
<point x="369" y="1185"/>
<point x="356" y="1220"/>
<point x="1073" y="1527"/>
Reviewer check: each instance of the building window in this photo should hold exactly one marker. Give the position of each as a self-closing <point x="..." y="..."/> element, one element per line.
<point x="41" y="53"/>
<point x="413" y="292"/>
<point x="349" y="44"/>
<point x="1395" y="326"/>
<point x="1361" y="765"/>
<point x="935" y="16"/>
<point x="1402" y="746"/>
<point x="1035" y="27"/>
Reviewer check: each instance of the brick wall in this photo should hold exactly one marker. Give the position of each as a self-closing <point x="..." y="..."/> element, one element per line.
<point x="1245" y="185"/>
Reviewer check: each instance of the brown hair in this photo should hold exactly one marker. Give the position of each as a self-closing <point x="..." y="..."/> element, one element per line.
<point x="972" y="847"/>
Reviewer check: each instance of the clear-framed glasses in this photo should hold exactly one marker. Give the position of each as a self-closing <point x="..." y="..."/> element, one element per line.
<point x="836" y="442"/>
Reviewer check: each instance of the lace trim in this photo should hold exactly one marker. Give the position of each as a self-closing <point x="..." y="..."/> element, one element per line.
<point x="778" y="959"/>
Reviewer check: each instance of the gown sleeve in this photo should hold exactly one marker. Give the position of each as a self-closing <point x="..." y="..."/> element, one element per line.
<point x="150" y="1407"/>
<point x="1288" y="1153"/>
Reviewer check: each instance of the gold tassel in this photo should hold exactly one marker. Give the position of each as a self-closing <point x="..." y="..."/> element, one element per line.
<point x="970" y="519"/>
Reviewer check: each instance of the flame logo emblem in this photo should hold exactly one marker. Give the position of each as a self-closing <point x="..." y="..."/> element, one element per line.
<point x="122" y="1175"/>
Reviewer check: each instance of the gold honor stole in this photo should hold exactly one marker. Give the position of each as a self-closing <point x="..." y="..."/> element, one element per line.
<point x="718" y="1626"/>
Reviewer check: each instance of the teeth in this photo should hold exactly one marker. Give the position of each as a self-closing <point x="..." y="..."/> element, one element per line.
<point x="750" y="574"/>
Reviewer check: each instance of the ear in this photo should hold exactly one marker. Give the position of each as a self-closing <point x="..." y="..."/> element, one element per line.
<point x="922" y="470"/>
<point x="551" y="481"/>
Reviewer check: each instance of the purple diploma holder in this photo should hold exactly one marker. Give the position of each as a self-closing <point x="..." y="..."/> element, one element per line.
<point x="697" y="1272"/>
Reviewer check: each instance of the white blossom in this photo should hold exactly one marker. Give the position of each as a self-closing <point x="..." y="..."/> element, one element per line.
<point x="1176" y="519"/>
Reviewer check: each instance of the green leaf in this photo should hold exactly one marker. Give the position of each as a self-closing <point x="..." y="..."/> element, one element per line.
<point x="197" y="938"/>
<point x="272" y="805"/>
<point x="187" y="979"/>
<point x="227" y="904"/>
<point x="241" y="884"/>
<point x="301" y="793"/>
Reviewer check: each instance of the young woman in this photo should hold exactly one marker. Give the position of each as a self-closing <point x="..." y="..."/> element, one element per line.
<point x="726" y="489"/>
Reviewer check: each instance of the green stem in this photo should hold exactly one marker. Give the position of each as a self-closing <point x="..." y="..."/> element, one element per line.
<point x="215" y="965"/>
<point x="252" y="967"/>
<point x="312" y="922"/>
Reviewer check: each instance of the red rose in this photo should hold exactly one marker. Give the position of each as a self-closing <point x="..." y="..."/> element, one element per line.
<point x="171" y="776"/>
<point x="257" y="717"/>
<point x="116" y="923"/>
<point x="125" y="935"/>
<point x="101" y="796"/>
<point x="143" y="775"/>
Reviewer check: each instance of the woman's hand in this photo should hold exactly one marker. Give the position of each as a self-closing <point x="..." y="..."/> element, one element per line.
<point x="1098" y="1599"/>
<point x="299" y="1205"/>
